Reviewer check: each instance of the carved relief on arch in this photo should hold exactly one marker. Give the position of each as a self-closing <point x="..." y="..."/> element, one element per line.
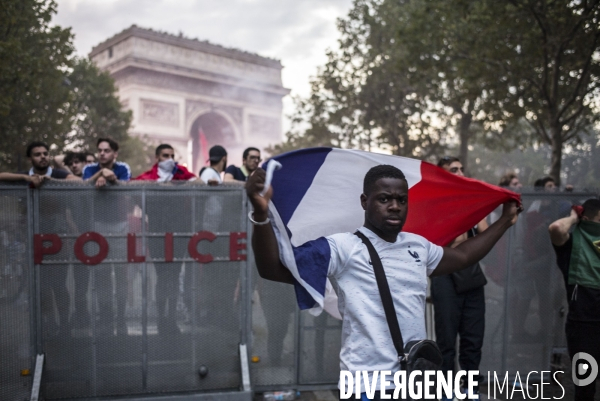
<point x="159" y="113"/>
<point x="233" y="115"/>
<point x="192" y="107"/>
<point x="196" y="108"/>
<point x="234" y="112"/>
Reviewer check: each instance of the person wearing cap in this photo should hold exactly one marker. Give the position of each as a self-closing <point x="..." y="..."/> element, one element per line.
<point x="218" y="161"/>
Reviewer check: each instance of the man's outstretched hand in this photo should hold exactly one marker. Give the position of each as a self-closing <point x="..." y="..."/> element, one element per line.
<point x="254" y="186"/>
<point x="511" y="210"/>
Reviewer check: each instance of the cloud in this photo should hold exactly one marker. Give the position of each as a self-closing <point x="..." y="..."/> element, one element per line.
<point x="296" y="32"/>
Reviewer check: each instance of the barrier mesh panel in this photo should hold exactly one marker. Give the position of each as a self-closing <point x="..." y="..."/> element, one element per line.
<point x="119" y="318"/>
<point x="15" y="349"/>
<point x="537" y="304"/>
<point x="111" y="343"/>
<point x="320" y="344"/>
<point x="274" y="333"/>
<point x="197" y="319"/>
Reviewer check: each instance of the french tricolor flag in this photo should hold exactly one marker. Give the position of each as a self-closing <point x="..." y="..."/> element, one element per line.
<point x="317" y="193"/>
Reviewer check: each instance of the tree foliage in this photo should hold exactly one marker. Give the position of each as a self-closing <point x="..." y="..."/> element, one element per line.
<point x="34" y="59"/>
<point x="548" y="52"/>
<point x="48" y="94"/>
<point x="97" y="113"/>
<point x="96" y="110"/>
<point x="421" y="76"/>
<point x="360" y="99"/>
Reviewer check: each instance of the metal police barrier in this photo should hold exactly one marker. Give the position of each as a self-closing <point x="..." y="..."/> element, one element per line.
<point x="526" y="303"/>
<point x="149" y="289"/>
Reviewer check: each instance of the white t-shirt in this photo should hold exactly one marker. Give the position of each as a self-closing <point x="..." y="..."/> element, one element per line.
<point x="366" y="340"/>
<point x="210" y="174"/>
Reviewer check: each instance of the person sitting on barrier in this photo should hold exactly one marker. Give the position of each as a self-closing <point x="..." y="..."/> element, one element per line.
<point x="217" y="156"/>
<point x="250" y="160"/>
<point x="385" y="202"/>
<point x="166" y="168"/>
<point x="39" y="157"/>
<point x="75" y="161"/>
<point x="108" y="169"/>
<point x="576" y="242"/>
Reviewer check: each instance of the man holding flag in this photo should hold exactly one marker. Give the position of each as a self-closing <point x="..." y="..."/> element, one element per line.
<point x="408" y="258"/>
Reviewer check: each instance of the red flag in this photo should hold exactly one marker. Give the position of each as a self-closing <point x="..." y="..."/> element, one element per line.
<point x="203" y="147"/>
<point x="444" y="206"/>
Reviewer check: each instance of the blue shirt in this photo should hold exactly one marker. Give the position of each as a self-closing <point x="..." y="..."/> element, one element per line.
<point x="121" y="170"/>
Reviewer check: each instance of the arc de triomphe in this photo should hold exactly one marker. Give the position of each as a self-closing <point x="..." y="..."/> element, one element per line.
<point x="191" y="93"/>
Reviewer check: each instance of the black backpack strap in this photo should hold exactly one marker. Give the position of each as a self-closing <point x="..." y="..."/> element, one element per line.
<point x="386" y="297"/>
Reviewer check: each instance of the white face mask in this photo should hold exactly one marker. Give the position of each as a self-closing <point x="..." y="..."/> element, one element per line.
<point x="167" y="165"/>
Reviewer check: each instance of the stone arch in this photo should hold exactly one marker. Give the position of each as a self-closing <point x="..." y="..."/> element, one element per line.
<point x="218" y="128"/>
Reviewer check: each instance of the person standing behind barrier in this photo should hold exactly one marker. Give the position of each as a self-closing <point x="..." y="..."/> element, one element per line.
<point x="89" y="158"/>
<point x="495" y="267"/>
<point x="108" y="169"/>
<point x="576" y="240"/>
<point x="75" y="161"/>
<point x="250" y="160"/>
<point x="528" y="280"/>
<point x="39" y="157"/>
<point x="110" y="216"/>
<point x="167" y="275"/>
<point x="53" y="282"/>
<point x="217" y="287"/>
<point x="166" y="168"/>
<point x="217" y="155"/>
<point x="510" y="181"/>
<point x="459" y="301"/>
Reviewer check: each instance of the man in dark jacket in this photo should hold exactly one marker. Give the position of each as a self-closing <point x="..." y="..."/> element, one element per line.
<point x="459" y="301"/>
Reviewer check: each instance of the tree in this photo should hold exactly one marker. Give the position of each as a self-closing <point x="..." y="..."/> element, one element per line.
<point x="95" y="106"/>
<point x="548" y="52"/>
<point x="360" y="99"/>
<point x="47" y="94"/>
<point x="439" y="45"/>
<point x="34" y="58"/>
<point x="409" y="73"/>
<point x="98" y="113"/>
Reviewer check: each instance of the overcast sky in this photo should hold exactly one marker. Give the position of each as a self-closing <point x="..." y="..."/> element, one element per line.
<point x="297" y="32"/>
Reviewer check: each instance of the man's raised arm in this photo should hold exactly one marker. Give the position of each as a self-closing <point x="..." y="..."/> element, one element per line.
<point x="264" y="242"/>
<point x="474" y="249"/>
<point x="559" y="230"/>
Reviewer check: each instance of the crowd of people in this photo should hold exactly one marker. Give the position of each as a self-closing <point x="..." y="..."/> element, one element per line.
<point x="106" y="169"/>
